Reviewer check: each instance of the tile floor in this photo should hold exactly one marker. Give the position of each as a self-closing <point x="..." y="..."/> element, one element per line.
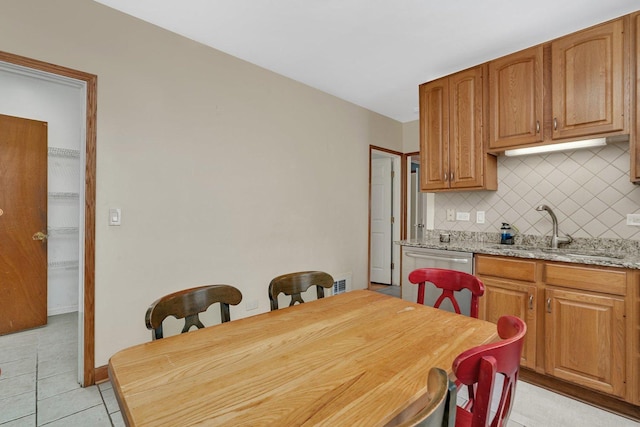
<point x="38" y="387"/>
<point x="38" y="383"/>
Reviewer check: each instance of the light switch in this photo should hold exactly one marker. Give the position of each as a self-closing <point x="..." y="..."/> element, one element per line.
<point x="115" y="216"/>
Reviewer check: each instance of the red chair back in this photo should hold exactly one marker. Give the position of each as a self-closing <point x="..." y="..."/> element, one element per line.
<point x="477" y="368"/>
<point x="449" y="281"/>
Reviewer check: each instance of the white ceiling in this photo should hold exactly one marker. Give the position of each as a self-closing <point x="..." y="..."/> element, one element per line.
<point x="373" y="53"/>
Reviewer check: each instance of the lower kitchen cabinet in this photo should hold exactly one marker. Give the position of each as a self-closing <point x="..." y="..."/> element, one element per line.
<point x="510" y="289"/>
<point x="583" y="322"/>
<point x="585" y="342"/>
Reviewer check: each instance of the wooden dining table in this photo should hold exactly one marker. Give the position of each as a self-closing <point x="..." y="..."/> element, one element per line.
<point x="360" y="358"/>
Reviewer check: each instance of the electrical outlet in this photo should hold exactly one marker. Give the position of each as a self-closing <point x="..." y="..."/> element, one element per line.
<point x="480" y="217"/>
<point x="462" y="216"/>
<point x="252" y="305"/>
<point x="451" y="215"/>
<point x="633" y="219"/>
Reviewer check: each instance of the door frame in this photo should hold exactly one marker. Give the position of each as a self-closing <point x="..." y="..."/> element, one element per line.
<point x="398" y="203"/>
<point x="88" y="306"/>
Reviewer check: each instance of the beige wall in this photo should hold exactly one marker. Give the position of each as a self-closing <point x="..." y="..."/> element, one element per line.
<point x="411" y="137"/>
<point x="225" y="172"/>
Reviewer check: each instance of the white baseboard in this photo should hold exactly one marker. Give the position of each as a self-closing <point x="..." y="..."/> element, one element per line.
<point x="62" y="310"/>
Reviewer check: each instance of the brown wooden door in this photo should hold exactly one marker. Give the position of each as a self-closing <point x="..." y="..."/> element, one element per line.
<point x="585" y="336"/>
<point x="434" y="135"/>
<point x="588" y="81"/>
<point x="466" y="152"/>
<point x="516" y="95"/>
<point x="23" y="201"/>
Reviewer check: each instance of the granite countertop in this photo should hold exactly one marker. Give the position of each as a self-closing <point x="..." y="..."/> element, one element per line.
<point x="621" y="256"/>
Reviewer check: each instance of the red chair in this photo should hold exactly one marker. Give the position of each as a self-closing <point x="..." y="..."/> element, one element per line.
<point x="477" y="368"/>
<point x="449" y="281"/>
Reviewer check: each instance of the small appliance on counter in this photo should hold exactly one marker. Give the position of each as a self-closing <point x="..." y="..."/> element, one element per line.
<point x="506" y="234"/>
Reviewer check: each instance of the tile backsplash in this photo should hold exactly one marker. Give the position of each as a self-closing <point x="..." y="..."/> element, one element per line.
<point x="589" y="191"/>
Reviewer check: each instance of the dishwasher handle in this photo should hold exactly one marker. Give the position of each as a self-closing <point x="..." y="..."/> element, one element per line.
<point x="437" y="258"/>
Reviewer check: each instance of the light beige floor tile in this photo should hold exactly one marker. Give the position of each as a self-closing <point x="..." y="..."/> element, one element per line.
<point x="68" y="403"/>
<point x="536" y="407"/>
<point x="116" y="419"/>
<point x="17" y="339"/>
<point x="18" y="406"/>
<point x="28" y="421"/>
<point x="95" y="417"/>
<point x="19" y="367"/>
<point x="12" y="353"/>
<point x="105" y="385"/>
<point x="52" y="367"/>
<point x="110" y="401"/>
<point x="17" y="385"/>
<point x="57" y="384"/>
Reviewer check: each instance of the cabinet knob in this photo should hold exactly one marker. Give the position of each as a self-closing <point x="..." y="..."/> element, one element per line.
<point x="555" y="123"/>
<point x="548" y="305"/>
<point x="531" y="302"/>
<point x="537" y="126"/>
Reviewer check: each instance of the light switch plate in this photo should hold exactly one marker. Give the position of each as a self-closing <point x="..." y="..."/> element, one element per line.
<point x="480" y="217"/>
<point x="451" y="215"/>
<point x="633" y="219"/>
<point x="462" y="216"/>
<point x="115" y="216"/>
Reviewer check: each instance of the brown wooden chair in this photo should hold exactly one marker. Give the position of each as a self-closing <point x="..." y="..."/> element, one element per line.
<point x="293" y="284"/>
<point x="188" y="303"/>
<point x="435" y="409"/>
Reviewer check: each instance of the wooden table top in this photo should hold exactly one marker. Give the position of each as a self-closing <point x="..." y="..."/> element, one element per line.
<point x="358" y="358"/>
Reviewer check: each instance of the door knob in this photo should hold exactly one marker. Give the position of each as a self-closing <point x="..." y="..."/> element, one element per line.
<point x="39" y="236"/>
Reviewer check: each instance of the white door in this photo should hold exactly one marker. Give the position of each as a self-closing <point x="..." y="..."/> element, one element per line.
<point x="381" y="226"/>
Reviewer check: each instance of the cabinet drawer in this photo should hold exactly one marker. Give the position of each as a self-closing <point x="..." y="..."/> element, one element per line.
<point x="586" y="278"/>
<point x="507" y="268"/>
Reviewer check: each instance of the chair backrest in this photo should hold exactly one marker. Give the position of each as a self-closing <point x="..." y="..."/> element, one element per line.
<point x="449" y="281"/>
<point x="477" y="368"/>
<point x="188" y="303"/>
<point x="293" y="284"/>
<point x="436" y="409"/>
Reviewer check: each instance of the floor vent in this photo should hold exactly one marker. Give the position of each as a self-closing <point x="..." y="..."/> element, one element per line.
<point x="342" y="284"/>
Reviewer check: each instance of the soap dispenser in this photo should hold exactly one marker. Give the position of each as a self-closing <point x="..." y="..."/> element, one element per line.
<point x="506" y="234"/>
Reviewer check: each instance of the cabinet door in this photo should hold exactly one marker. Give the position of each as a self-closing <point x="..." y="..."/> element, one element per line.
<point x="503" y="297"/>
<point x="515" y="99"/>
<point x="585" y="339"/>
<point x="588" y="81"/>
<point x="466" y="148"/>
<point x="434" y="135"/>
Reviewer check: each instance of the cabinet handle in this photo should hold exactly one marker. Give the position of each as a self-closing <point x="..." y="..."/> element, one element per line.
<point x="451" y="177"/>
<point x="445" y="176"/>
<point x="531" y="302"/>
<point x="537" y="126"/>
<point x="555" y="123"/>
<point x="548" y="305"/>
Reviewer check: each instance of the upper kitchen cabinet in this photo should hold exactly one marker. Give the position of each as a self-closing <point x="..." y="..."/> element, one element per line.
<point x="452" y="135"/>
<point x="575" y="87"/>
<point x="516" y="99"/>
<point x="588" y="81"/>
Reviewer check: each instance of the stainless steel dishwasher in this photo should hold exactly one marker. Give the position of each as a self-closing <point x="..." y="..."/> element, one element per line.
<point x="413" y="258"/>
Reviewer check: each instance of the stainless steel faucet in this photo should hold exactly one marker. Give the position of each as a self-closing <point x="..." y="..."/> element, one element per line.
<point x="555" y="239"/>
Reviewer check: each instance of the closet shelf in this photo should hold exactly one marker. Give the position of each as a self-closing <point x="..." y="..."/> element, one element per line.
<point x="52" y="231"/>
<point x="63" y="152"/>
<point x="68" y="196"/>
<point x="68" y="265"/>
